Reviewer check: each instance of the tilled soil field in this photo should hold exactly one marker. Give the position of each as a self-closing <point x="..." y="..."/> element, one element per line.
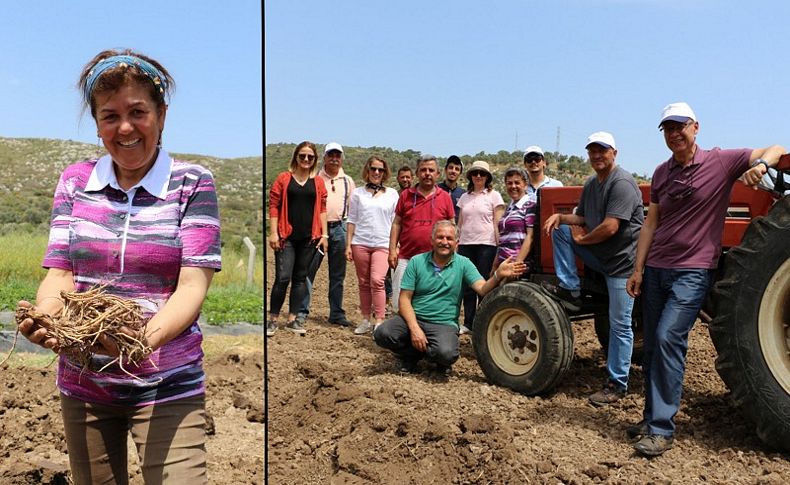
<point x="33" y="448"/>
<point x="339" y="412"/>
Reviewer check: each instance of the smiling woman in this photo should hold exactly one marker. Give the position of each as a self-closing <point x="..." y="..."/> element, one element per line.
<point x="146" y="226"/>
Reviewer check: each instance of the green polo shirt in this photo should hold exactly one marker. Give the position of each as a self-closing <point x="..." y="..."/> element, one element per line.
<point x="437" y="293"/>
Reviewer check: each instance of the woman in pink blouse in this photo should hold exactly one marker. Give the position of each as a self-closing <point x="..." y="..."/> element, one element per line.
<point x="481" y="208"/>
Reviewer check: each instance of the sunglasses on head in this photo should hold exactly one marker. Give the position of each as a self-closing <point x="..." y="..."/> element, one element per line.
<point x="305" y="156"/>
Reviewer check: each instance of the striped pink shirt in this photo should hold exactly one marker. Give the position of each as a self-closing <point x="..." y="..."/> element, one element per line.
<point x="136" y="241"/>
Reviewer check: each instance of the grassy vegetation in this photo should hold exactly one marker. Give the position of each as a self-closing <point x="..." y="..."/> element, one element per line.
<point x="229" y="300"/>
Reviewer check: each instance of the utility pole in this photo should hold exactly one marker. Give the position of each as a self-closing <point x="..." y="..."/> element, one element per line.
<point x="515" y="148"/>
<point x="558" y="140"/>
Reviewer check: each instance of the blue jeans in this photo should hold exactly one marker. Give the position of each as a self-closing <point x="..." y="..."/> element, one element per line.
<point x="671" y="299"/>
<point x="621" y="335"/>
<point x="482" y="256"/>
<point x="336" y="255"/>
<point x="290" y="267"/>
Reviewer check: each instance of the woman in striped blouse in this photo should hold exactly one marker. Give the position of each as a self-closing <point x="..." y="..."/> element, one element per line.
<point x="147" y="226"/>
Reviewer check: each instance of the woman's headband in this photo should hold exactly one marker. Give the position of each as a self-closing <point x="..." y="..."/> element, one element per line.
<point x="124" y="61"/>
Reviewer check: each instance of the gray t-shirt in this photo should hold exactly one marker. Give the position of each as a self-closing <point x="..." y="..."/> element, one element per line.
<point x="618" y="196"/>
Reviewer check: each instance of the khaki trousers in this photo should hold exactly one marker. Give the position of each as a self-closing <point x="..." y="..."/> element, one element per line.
<point x="170" y="438"/>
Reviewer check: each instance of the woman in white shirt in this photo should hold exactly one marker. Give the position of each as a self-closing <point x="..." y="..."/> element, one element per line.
<point x="370" y="216"/>
<point x="478" y="223"/>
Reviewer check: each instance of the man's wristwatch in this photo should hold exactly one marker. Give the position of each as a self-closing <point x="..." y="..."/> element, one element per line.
<point x="760" y="161"/>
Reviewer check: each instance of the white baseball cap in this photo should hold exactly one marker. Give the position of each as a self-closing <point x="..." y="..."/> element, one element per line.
<point x="602" y="138"/>
<point x="677" y="112"/>
<point x="333" y="146"/>
<point x="533" y="149"/>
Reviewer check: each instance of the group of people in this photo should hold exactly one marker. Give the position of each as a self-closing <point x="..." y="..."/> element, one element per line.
<point x="447" y="246"/>
<point x="320" y="212"/>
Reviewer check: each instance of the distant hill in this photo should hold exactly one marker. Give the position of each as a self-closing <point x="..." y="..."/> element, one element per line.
<point x="571" y="170"/>
<point x="31" y="167"/>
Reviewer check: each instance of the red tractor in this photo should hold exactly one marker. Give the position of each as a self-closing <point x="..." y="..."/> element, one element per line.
<point x="523" y="339"/>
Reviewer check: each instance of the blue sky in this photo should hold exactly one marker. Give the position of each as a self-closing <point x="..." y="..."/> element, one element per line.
<point x="212" y="49"/>
<point x="462" y="77"/>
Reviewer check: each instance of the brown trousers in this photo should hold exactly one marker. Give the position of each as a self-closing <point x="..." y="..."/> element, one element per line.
<point x="170" y="438"/>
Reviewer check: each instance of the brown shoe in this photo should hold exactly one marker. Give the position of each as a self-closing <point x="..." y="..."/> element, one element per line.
<point x="653" y="444"/>
<point x="637" y="430"/>
<point x="608" y="395"/>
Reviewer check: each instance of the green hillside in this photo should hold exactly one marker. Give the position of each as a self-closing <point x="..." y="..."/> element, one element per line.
<point x="31" y="167"/>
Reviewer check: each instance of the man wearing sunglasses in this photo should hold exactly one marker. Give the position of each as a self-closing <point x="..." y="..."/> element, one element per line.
<point x="535" y="164"/>
<point x="339" y="187"/>
<point x="611" y="211"/>
<point x="678" y="250"/>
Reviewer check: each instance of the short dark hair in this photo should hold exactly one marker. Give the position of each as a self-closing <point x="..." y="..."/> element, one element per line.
<point x="405" y="168"/>
<point x="454" y="160"/>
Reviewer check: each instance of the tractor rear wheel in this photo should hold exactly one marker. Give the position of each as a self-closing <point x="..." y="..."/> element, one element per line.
<point x="751" y="328"/>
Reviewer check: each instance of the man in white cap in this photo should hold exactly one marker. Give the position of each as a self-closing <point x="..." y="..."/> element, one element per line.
<point x="611" y="211"/>
<point x="339" y="187"/>
<point x="678" y="250"/>
<point x="535" y="164"/>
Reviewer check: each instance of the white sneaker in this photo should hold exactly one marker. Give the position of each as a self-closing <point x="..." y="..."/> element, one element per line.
<point x="464" y="330"/>
<point x="363" y="327"/>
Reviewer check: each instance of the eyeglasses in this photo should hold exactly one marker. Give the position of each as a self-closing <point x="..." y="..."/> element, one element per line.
<point x="533" y="159"/>
<point x="333" y="184"/>
<point x="669" y="126"/>
<point x="305" y="156"/>
<point x="477" y="174"/>
<point x="376" y="169"/>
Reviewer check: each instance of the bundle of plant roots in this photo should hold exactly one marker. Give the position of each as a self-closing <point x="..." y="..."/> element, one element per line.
<point x="86" y="316"/>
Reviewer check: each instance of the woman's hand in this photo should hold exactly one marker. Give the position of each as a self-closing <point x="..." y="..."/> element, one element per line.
<point x="35" y="332"/>
<point x="274" y="241"/>
<point x="106" y="345"/>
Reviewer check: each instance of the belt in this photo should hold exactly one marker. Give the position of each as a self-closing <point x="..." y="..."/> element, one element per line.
<point x="335" y="223"/>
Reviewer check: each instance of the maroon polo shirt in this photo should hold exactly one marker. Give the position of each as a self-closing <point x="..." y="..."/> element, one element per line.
<point x="693" y="202"/>
<point x="418" y="215"/>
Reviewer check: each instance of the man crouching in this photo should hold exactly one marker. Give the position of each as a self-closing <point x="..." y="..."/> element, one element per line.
<point x="429" y="302"/>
